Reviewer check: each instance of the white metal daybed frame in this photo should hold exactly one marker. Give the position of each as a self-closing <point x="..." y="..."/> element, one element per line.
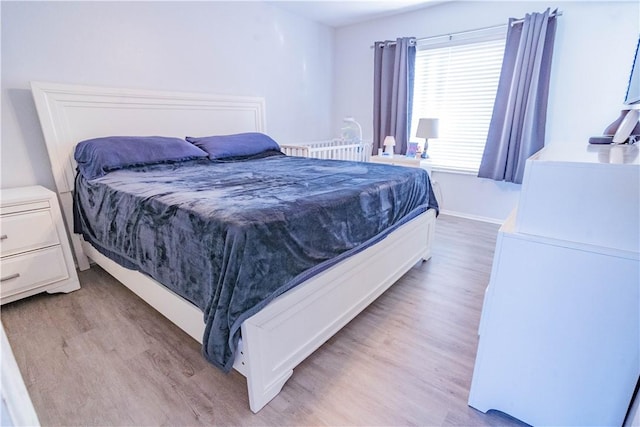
<point x="286" y="331"/>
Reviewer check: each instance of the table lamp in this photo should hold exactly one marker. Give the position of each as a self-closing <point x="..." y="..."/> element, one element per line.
<point x="427" y="128"/>
<point x="389" y="143"/>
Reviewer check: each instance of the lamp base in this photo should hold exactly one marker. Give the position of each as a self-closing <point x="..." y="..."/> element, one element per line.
<point x="388" y="151"/>
<point x="424" y="154"/>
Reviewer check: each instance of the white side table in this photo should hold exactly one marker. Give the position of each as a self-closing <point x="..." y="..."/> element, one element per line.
<point x="35" y="255"/>
<point x="400" y="160"/>
<point x="412" y="162"/>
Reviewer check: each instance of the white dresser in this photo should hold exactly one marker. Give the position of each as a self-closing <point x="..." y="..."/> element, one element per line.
<point x="560" y="327"/>
<point x="35" y="255"/>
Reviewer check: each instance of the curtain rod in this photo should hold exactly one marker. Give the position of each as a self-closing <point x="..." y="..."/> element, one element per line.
<point x="518" y="21"/>
<point x="551" y="15"/>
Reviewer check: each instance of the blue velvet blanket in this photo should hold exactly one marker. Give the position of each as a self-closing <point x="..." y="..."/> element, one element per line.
<point x="232" y="236"/>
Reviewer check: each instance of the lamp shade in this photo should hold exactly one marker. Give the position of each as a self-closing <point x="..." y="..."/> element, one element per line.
<point x="427" y="128"/>
<point x="389" y="141"/>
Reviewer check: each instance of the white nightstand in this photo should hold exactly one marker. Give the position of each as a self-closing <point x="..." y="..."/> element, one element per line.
<point x="35" y="255"/>
<point x="412" y="162"/>
<point x="400" y="160"/>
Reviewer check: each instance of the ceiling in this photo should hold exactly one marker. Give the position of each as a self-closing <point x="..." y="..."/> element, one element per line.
<point x="335" y="13"/>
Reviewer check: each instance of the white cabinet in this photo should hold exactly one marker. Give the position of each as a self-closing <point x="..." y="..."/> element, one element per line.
<point x="576" y="197"/>
<point x="560" y="327"/>
<point x="35" y="255"/>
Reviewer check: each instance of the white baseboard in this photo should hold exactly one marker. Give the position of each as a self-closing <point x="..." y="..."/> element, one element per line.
<point x="473" y="217"/>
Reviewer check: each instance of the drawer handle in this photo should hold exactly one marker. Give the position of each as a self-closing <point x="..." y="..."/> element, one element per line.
<point x="4" y="236"/>
<point x="9" y="277"/>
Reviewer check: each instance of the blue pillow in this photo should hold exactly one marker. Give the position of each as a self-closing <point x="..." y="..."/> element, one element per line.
<point x="98" y="156"/>
<point x="235" y="146"/>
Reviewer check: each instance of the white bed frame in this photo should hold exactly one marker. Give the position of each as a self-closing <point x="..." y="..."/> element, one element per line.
<point x="286" y="331"/>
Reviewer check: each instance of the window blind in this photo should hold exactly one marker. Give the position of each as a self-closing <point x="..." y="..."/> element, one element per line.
<point x="456" y="78"/>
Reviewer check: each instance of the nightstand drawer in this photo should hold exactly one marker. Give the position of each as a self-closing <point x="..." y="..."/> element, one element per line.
<point x="28" y="271"/>
<point x="26" y="231"/>
<point x="24" y="207"/>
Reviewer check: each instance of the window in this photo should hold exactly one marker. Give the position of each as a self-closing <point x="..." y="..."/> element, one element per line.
<point x="456" y="78"/>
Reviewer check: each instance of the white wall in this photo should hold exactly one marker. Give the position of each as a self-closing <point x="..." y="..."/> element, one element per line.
<point x="310" y="83"/>
<point x="243" y="48"/>
<point x="594" y="47"/>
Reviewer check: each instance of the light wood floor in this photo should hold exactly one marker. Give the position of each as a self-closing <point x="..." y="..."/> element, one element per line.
<point x="101" y="356"/>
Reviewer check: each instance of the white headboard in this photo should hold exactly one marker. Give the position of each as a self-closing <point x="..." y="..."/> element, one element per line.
<point x="71" y="113"/>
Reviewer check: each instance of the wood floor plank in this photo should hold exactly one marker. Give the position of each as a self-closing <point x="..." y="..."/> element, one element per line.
<point x="101" y="356"/>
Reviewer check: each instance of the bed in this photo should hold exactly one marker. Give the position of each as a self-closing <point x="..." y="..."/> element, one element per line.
<point x="292" y="325"/>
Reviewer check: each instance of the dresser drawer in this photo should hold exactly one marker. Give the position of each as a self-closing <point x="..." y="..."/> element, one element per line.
<point x="22" y="232"/>
<point x="23" y="207"/>
<point x="31" y="270"/>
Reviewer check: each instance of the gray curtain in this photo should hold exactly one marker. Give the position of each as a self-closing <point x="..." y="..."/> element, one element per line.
<point x="393" y="76"/>
<point x="520" y="112"/>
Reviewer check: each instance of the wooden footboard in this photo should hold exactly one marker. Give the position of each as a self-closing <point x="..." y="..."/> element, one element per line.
<point x="290" y="328"/>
